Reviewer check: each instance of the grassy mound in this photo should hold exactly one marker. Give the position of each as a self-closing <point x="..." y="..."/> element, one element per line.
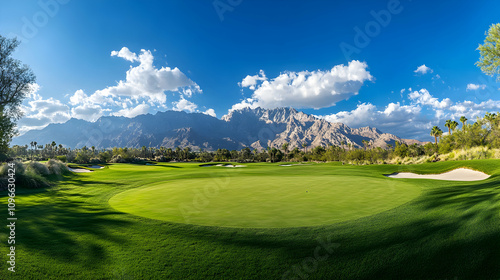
<point x="265" y="201"/>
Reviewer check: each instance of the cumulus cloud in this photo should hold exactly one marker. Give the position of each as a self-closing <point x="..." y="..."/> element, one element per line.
<point x="210" y="112"/>
<point x="251" y="81"/>
<point x="88" y="112"/>
<point x="305" y="89"/>
<point x="39" y="112"/>
<point x="422" y="69"/>
<point x="79" y="97"/>
<point x="475" y="87"/>
<point x="126" y="54"/>
<point x="412" y="121"/>
<point x="140" y="109"/>
<point x="142" y="90"/>
<point x="402" y="120"/>
<point x="184" y="105"/>
<point x="423" y="97"/>
<point x="146" y="81"/>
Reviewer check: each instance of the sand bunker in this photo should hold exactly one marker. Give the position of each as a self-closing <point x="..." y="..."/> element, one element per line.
<point x="460" y="174"/>
<point x="79" y="170"/>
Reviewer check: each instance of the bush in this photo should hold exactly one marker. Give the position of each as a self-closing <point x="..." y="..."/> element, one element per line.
<point x="37" y="168"/>
<point x="62" y="158"/>
<point x="160" y="159"/>
<point x="57" y="167"/>
<point x="18" y="166"/>
<point x="95" y="161"/>
<point x="118" y="159"/>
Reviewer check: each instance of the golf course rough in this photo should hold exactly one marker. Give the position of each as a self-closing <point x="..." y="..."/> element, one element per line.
<point x="265" y="201"/>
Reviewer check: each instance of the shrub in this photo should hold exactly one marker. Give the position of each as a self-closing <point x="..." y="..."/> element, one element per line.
<point x="18" y="166"/>
<point x="62" y="158"/>
<point x="160" y="158"/>
<point x="95" y="161"/>
<point x="56" y="167"/>
<point x="35" y="167"/>
<point x="118" y="159"/>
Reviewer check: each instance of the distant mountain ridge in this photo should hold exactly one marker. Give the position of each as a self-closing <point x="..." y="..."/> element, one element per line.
<point x="256" y="128"/>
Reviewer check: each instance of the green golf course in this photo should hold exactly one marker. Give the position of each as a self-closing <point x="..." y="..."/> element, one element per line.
<point x="266" y="201"/>
<point x="263" y="221"/>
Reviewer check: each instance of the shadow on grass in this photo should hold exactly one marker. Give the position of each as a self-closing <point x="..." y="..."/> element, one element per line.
<point x="61" y="224"/>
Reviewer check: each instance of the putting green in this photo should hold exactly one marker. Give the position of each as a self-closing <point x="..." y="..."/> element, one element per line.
<point x="265" y="201"/>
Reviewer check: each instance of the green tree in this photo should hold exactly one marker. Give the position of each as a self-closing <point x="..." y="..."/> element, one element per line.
<point x="489" y="61"/>
<point x="453" y="125"/>
<point x="16" y="82"/>
<point x="284" y="147"/>
<point x="448" y="124"/>
<point x="463" y="120"/>
<point x="436" y="132"/>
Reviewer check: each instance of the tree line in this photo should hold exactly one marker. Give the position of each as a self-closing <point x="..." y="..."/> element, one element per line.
<point x="484" y="132"/>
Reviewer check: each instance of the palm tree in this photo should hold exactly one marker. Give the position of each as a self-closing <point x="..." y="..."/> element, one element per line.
<point x="304" y="145"/>
<point x="284" y="147"/>
<point x="35" y="144"/>
<point x="52" y="145"/>
<point x="365" y="143"/>
<point x="463" y="120"/>
<point x="436" y="132"/>
<point x="448" y="124"/>
<point x="31" y="144"/>
<point x="453" y="126"/>
<point x="490" y="118"/>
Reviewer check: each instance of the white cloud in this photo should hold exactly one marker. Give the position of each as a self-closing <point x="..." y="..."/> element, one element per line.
<point x="251" y="81"/>
<point x="142" y="90"/>
<point x="423" y="97"/>
<point x="126" y="54"/>
<point x="79" y="97"/>
<point x="305" y="89"/>
<point x="402" y="120"/>
<point x="184" y="105"/>
<point x="422" y="69"/>
<point x="210" y="112"/>
<point x="39" y="112"/>
<point x="140" y="109"/>
<point x="249" y="102"/>
<point x="88" y="112"/>
<point x="475" y="87"/>
<point x="145" y="81"/>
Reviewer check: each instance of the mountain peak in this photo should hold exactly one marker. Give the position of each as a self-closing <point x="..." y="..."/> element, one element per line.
<point x="247" y="127"/>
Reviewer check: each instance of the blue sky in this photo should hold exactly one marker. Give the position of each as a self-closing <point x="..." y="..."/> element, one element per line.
<point x="405" y="73"/>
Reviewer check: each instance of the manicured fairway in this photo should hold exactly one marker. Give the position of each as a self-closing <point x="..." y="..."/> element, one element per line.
<point x="444" y="230"/>
<point x="265" y="201"/>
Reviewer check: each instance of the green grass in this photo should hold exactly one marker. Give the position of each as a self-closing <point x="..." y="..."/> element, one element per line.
<point x="265" y="201"/>
<point x="451" y="229"/>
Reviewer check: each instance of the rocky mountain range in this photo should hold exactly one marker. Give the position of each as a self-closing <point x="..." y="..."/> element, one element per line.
<point x="256" y="128"/>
